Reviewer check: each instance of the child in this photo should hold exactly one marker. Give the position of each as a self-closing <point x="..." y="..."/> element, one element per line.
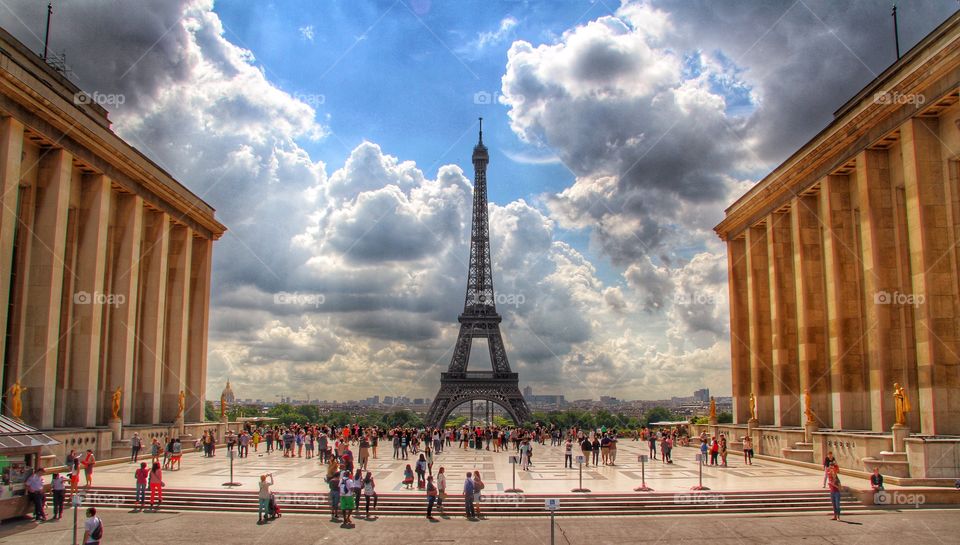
<point x="408" y="477"/>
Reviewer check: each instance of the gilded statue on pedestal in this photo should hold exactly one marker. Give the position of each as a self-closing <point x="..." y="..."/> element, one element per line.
<point x="808" y="408"/>
<point x="117" y="395"/>
<point x="901" y="404"/>
<point x="713" y="408"/>
<point x="16" y="404"/>
<point x="181" y="397"/>
<point x="752" y="406"/>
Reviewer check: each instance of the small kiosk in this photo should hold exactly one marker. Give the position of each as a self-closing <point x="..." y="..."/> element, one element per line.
<point x="20" y="450"/>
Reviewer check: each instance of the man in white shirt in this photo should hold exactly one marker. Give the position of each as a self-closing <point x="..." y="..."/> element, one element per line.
<point x="92" y="528"/>
<point x="34" y="486"/>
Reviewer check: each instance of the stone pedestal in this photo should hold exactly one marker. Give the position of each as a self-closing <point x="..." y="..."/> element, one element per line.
<point x="900" y="433"/>
<point x="808" y="430"/>
<point x="116" y="426"/>
<point x="178" y="424"/>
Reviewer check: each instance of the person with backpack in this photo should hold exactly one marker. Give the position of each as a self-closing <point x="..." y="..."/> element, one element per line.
<point x="431" y="498"/>
<point x="92" y="528"/>
<point x="347" y="504"/>
<point x="369" y="492"/>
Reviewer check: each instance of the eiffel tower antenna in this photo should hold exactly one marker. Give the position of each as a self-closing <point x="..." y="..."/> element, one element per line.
<point x="46" y="35"/>
<point x="479" y="320"/>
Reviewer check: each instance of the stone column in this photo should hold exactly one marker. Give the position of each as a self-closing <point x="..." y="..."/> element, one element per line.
<point x="89" y="302"/>
<point x="739" y="327"/>
<point x="844" y="300"/>
<point x="934" y="284"/>
<point x="178" y="320"/>
<point x="11" y="147"/>
<point x="126" y="237"/>
<point x="783" y="312"/>
<point x="814" y="369"/>
<point x="880" y="286"/>
<point x="758" y="295"/>
<point x="42" y="327"/>
<point x="199" y="319"/>
<point x="153" y="282"/>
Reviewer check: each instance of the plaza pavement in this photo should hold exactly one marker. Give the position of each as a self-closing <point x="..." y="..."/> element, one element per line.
<point x="547" y="475"/>
<point x="908" y="527"/>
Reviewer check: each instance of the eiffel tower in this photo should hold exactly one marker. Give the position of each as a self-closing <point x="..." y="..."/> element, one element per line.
<point x="479" y="320"/>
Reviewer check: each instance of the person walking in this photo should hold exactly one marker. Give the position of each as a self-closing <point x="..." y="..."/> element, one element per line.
<point x="156" y="485"/>
<point x="652" y="443"/>
<point x="92" y="528"/>
<point x="263" y="498"/>
<point x="421" y="472"/>
<point x="478" y="487"/>
<point x="34" y="489"/>
<point x="135" y="445"/>
<point x="723" y="450"/>
<point x="59" y="488"/>
<point x="89" y="460"/>
<point x="748" y="450"/>
<point x="834" y="481"/>
<point x="141" y="475"/>
<point x="568" y="454"/>
<point x="468" y="495"/>
<point x="441" y="488"/>
<point x="431" y="498"/>
<point x="369" y="493"/>
<point x="333" y="481"/>
<point x="346" y="499"/>
<point x="828" y="462"/>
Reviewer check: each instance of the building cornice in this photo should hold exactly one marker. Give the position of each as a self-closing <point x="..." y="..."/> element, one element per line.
<point x="931" y="69"/>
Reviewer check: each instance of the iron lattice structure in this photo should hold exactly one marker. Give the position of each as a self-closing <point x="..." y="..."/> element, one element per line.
<point x="479" y="320"/>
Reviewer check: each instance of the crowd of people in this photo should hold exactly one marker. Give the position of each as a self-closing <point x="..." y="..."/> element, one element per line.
<point x="345" y="453"/>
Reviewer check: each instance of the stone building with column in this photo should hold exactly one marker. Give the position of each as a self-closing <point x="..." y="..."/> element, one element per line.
<point x="843" y="277"/>
<point x="105" y="262"/>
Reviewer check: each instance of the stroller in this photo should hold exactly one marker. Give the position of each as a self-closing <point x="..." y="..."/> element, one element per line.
<point x="273" y="510"/>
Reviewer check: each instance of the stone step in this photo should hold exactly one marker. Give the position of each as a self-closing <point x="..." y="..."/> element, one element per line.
<point x="888" y="456"/>
<point x="798" y="454"/>
<point x="892" y="468"/>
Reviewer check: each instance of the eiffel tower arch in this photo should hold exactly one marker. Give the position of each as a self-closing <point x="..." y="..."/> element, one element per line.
<point x="479" y="320"/>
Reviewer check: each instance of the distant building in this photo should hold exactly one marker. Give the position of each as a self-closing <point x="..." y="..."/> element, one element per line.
<point x="528" y="392"/>
<point x="702" y="395"/>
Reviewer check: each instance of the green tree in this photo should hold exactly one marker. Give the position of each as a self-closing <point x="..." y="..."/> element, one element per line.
<point x="726" y="417"/>
<point x="658" y="414"/>
<point x="209" y="413"/>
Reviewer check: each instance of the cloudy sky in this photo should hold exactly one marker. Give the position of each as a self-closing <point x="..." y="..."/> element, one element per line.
<point x="334" y="140"/>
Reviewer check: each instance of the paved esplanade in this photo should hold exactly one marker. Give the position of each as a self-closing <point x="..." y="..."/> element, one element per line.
<point x="121" y="527"/>
<point x="546" y="475"/>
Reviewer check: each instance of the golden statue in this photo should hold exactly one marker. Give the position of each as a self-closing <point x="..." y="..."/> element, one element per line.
<point x="223" y="405"/>
<point x="807" y="407"/>
<point x="752" y="406"/>
<point x="901" y="404"/>
<point x="713" y="408"/>
<point x="117" y="395"/>
<point x="16" y="405"/>
<point x="180" y="403"/>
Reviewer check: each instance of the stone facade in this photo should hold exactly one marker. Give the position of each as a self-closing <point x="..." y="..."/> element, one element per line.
<point x="843" y="262"/>
<point x="105" y="260"/>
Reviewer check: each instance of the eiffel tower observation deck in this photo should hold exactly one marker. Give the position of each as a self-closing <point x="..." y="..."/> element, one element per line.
<point x="479" y="320"/>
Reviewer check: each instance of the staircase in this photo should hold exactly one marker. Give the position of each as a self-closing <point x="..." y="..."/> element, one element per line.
<point x="893" y="464"/>
<point x="681" y="503"/>
<point x="799" y="452"/>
